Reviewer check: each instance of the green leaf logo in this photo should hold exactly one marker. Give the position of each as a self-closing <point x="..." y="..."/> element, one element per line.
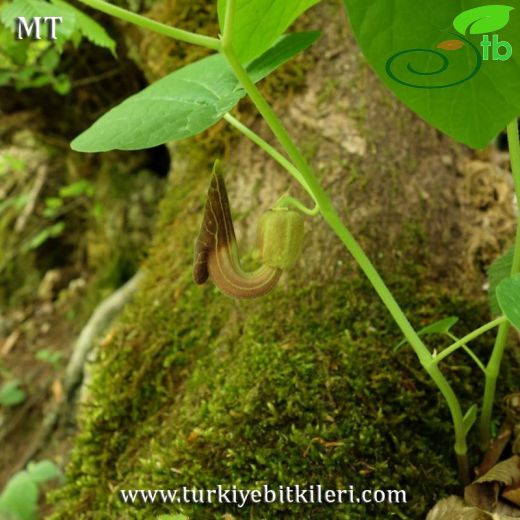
<point x="482" y="20"/>
<point x="424" y="68"/>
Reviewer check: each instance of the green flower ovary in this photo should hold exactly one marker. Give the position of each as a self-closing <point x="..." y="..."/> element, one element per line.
<point x="280" y="238"/>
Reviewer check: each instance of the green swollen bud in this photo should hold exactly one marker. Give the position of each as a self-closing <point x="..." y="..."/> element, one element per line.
<point x="280" y="238"/>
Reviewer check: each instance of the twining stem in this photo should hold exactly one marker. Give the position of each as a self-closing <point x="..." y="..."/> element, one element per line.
<point x="466" y="339"/>
<point x="146" y="23"/>
<point x="332" y="218"/>
<point x="493" y="366"/>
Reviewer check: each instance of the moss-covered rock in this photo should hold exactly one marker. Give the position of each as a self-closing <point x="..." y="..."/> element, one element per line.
<point x="301" y="387"/>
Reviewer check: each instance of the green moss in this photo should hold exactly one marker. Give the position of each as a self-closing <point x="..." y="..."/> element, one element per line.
<point x="301" y="387"/>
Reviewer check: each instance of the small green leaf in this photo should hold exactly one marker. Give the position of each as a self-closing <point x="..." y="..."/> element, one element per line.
<point x="498" y="271"/>
<point x="482" y="20"/>
<point x="258" y="23"/>
<point x="27" y="73"/>
<point x="43" y="471"/>
<point x="11" y="394"/>
<point x="439" y="327"/>
<point x="9" y="162"/>
<point x="53" y="202"/>
<point x="19" y="498"/>
<point x="47" y="356"/>
<point x="41" y="237"/>
<point x="470" y="418"/>
<point x="508" y="296"/>
<point x="5" y="77"/>
<point x="40" y="81"/>
<point x="61" y="84"/>
<point x="50" y="60"/>
<point x="282" y="51"/>
<point x="53" y="207"/>
<point x="81" y="187"/>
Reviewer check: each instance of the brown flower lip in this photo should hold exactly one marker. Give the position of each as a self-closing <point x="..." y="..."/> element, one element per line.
<point x="216" y="252"/>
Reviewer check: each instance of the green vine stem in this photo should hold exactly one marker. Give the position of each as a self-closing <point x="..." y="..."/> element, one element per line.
<point x="147" y="23"/>
<point x="332" y="218"/>
<point x="493" y="366"/>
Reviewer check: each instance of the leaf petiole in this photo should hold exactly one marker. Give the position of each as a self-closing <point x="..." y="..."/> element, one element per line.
<point x="461" y="343"/>
<point x="286" y="200"/>
<point x="470" y="353"/>
<point x="160" y="28"/>
<point x="273" y="152"/>
<point x="285" y="163"/>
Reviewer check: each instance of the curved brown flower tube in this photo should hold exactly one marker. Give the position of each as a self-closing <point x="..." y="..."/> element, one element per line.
<point x="216" y="252"/>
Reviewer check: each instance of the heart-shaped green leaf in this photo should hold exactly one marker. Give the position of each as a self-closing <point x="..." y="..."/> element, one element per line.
<point x="471" y="93"/>
<point x="508" y="296"/>
<point x="481" y="20"/>
<point x="258" y="23"/>
<point x="184" y="103"/>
